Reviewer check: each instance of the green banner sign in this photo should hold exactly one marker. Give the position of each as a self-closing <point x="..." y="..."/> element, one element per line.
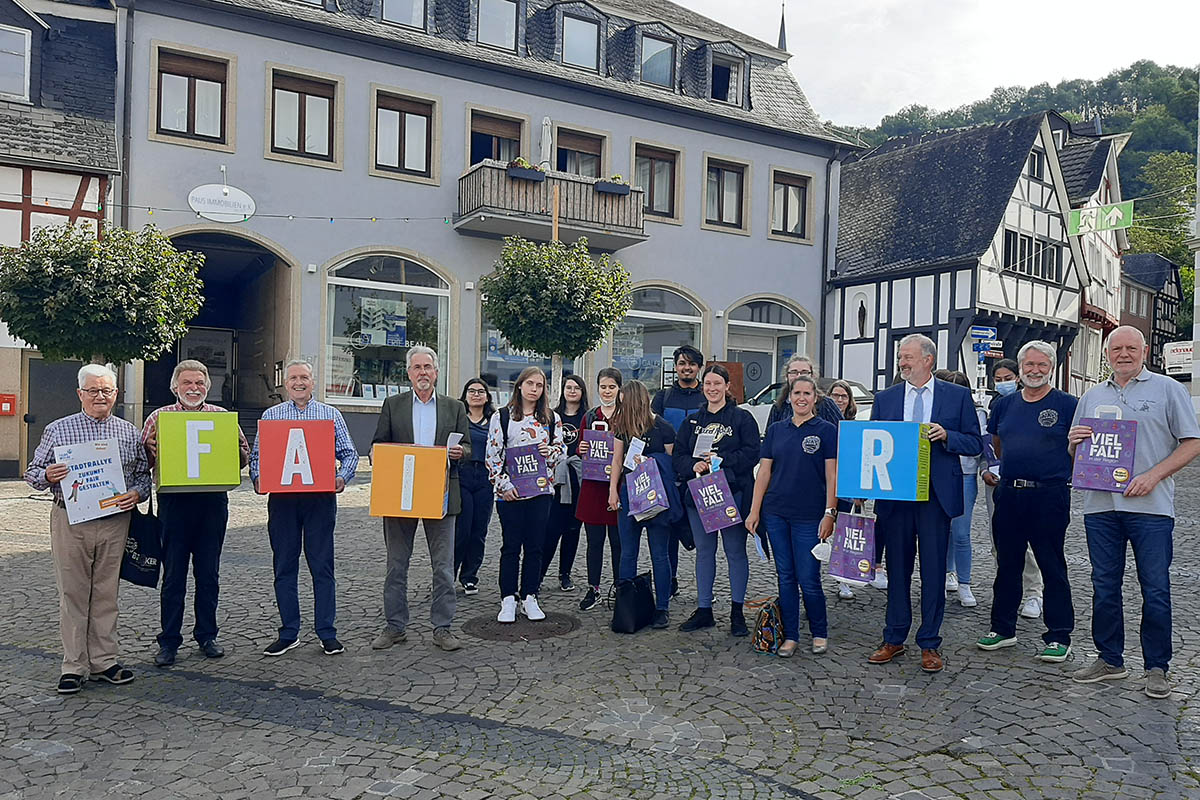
<point x="1100" y="218"/>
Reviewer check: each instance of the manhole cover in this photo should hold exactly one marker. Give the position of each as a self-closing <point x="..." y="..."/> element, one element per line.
<point x="486" y="627"/>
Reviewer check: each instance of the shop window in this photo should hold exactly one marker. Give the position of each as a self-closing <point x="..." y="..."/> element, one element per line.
<point x="642" y="343"/>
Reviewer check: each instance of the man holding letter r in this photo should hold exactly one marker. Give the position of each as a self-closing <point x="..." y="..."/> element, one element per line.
<point x="909" y="526"/>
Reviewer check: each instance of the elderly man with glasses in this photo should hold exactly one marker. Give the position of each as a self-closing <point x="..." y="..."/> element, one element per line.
<point x="87" y="555"/>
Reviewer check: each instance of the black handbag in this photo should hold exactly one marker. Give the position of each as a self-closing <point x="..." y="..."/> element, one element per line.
<point x="143" y="548"/>
<point x="632" y="604"/>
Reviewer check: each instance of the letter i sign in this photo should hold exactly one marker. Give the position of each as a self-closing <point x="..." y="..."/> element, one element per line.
<point x="296" y="455"/>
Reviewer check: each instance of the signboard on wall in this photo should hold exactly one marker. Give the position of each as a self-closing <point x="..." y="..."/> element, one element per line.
<point x="383" y="322"/>
<point x="221" y="203"/>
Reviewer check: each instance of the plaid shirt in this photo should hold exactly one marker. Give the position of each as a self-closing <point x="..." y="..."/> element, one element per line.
<point x="152" y="423"/>
<point x="79" y="428"/>
<point x="343" y="445"/>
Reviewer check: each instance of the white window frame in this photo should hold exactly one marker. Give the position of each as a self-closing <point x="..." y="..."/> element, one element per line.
<point x="588" y="68"/>
<point x="28" y="63"/>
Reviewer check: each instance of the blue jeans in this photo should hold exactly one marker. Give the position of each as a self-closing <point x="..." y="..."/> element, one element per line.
<point x="1150" y="534"/>
<point x="792" y="541"/>
<point x="958" y="555"/>
<point x="295" y="521"/>
<point x="470" y="529"/>
<point x="658" y="534"/>
<point x="734" y="540"/>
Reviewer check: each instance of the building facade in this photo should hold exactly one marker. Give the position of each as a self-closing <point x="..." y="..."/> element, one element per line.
<point x="350" y="164"/>
<point x="1152" y="294"/>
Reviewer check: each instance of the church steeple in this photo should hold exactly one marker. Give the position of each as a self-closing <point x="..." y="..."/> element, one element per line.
<point x="783" y="27"/>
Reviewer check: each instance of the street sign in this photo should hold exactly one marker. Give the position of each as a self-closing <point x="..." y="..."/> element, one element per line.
<point x="983" y="347"/>
<point x="982" y="332"/>
<point x="1100" y="218"/>
<point x="992" y="354"/>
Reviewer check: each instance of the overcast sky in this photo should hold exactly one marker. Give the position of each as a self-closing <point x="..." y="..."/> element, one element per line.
<point x="858" y="60"/>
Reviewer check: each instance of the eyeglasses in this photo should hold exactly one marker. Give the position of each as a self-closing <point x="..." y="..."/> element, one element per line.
<point x="107" y="392"/>
<point x="797" y="374"/>
<point x="476" y="391"/>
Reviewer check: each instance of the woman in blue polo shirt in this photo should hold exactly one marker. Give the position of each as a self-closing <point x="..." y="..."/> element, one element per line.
<point x="794" y="497"/>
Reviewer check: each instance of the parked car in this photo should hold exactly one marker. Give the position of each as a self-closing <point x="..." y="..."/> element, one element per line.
<point x="1177" y="360"/>
<point x="759" y="406"/>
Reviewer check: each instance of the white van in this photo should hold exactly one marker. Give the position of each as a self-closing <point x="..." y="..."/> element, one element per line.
<point x="1177" y="360"/>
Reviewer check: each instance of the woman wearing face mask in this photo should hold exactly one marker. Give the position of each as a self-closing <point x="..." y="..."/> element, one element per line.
<point x="958" y="554"/>
<point x="599" y="522"/>
<point x="523" y="520"/>
<point x="470" y="529"/>
<point x="737" y="444"/>
<point x="564" y="527"/>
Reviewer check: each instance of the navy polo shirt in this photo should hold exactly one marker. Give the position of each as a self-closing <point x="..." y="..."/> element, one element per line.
<point x="798" y="455"/>
<point x="1033" y="436"/>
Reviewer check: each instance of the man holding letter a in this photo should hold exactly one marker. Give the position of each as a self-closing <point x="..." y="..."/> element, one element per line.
<point x="1143" y="516"/>
<point x="427" y="418"/>
<point x="909" y="526"/>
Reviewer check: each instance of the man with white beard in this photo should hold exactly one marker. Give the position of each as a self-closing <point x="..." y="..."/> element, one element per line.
<point x="1033" y="501"/>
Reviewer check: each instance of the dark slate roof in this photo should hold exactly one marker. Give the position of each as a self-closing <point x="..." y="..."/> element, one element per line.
<point x="930" y="199"/>
<point x="776" y="100"/>
<point x="1149" y="269"/>
<point x="1083" y="161"/>
<point x="73" y="122"/>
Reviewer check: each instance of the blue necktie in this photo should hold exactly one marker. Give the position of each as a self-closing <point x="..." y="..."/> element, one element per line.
<point x="918" y="412"/>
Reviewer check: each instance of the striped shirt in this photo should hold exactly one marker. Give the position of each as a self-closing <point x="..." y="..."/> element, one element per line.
<point x="79" y="428"/>
<point x="152" y="420"/>
<point x="343" y="445"/>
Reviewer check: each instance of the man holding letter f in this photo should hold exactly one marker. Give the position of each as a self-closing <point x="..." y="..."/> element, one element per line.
<point x="924" y="526"/>
<point x="423" y="417"/>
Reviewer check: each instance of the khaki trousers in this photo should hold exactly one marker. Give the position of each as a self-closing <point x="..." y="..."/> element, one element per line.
<point x="87" y="569"/>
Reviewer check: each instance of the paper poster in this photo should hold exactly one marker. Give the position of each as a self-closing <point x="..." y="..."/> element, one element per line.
<point x="647" y="495"/>
<point x="95" y="479"/>
<point x="296" y="456"/>
<point x="1105" y="461"/>
<point x="715" y="502"/>
<point x="852" y="557"/>
<point x="384" y="322"/>
<point x="634" y="452"/>
<point x="597" y="464"/>
<point x="527" y="470"/>
<point x="198" y="451"/>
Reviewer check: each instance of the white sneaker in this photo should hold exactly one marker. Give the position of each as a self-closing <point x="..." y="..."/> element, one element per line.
<point x="844" y="591"/>
<point x="1031" y="607"/>
<point x="508" y="609"/>
<point x="951" y="582"/>
<point x="531" y="609"/>
<point x="965" y="597"/>
<point x="880" y="581"/>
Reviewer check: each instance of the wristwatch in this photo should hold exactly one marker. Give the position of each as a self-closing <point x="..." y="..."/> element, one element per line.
<point x="831" y="512"/>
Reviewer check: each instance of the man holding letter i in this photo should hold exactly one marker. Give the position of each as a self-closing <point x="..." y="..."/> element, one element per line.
<point x="425" y="418"/>
<point x="911" y="525"/>
<point x="193" y="522"/>
<point x="87" y="552"/>
<point x="298" y="519"/>
<point x="1142" y="514"/>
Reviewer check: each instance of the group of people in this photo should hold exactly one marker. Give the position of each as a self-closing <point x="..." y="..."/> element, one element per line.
<point x="783" y="483"/>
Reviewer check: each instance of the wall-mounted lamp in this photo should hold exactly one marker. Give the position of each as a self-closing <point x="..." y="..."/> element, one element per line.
<point x="312" y="269"/>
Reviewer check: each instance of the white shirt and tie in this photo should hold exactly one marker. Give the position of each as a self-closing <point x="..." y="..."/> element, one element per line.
<point x="918" y="401"/>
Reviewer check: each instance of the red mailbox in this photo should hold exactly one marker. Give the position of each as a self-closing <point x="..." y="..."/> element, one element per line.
<point x="8" y="405"/>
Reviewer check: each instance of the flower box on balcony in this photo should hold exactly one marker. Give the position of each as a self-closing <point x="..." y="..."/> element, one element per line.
<point x="610" y="187"/>
<point x="526" y="174"/>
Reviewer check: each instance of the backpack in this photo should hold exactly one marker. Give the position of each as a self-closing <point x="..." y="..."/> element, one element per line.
<point x="768" y="627"/>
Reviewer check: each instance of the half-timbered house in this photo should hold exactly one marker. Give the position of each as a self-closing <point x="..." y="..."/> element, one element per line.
<point x="1152" y="293"/>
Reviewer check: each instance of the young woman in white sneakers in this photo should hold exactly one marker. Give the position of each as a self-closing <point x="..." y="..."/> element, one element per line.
<point x="527" y="419"/>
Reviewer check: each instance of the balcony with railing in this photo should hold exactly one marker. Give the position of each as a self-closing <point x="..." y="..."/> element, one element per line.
<point x="496" y="201"/>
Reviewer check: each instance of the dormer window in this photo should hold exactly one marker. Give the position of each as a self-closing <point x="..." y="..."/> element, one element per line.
<point x="658" y="62"/>
<point x="498" y="23"/>
<point x="15" y="47"/>
<point x="581" y="42"/>
<point x="405" y="12"/>
<point x="727" y="80"/>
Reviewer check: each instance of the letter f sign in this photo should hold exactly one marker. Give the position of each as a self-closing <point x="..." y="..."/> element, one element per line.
<point x="875" y="463"/>
<point x="195" y="448"/>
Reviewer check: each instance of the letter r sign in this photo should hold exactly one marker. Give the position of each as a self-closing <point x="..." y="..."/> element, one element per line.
<point x="882" y="460"/>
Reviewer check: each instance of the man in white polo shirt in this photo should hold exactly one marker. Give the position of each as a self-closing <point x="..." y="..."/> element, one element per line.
<point x="1168" y="437"/>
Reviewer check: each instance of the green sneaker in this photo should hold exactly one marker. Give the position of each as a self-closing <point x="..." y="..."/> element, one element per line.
<point x="994" y="641"/>
<point x="1055" y="652"/>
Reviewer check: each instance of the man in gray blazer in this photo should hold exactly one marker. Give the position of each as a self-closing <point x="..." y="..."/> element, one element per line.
<point x="422" y="417"/>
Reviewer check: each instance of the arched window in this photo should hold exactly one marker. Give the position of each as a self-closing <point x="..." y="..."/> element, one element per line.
<point x="379" y="306"/>
<point x="642" y="343"/>
<point x="763" y="335"/>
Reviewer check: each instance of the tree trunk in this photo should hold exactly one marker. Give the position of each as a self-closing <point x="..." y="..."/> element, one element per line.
<point x="556" y="376"/>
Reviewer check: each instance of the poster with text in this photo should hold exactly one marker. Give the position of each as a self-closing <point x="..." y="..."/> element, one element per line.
<point x="1105" y="461"/>
<point x="384" y="322"/>
<point x="95" y="479"/>
<point x="852" y="555"/>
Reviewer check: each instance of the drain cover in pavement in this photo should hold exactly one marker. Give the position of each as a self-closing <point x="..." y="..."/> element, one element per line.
<point x="486" y="627"/>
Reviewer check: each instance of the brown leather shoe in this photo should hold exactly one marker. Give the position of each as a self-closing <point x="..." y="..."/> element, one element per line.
<point x="885" y="653"/>
<point x="931" y="661"/>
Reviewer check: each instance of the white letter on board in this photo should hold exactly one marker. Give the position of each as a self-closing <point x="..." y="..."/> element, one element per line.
<point x="295" y="459"/>
<point x="194" y="447"/>
<point x="408" y="477"/>
<point x="876" y="463"/>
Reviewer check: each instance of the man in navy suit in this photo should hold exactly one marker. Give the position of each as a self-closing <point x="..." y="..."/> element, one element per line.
<point x="909" y="527"/>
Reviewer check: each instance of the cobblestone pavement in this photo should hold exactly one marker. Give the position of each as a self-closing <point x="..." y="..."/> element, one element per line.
<point x="591" y="714"/>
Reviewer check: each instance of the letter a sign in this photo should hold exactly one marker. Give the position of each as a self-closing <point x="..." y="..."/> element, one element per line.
<point x="295" y="456"/>
<point x="883" y="460"/>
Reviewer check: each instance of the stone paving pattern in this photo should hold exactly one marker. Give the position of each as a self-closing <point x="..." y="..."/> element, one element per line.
<point x="590" y="714"/>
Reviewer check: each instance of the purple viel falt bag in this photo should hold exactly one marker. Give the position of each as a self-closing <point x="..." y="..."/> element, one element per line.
<point x="526" y="469"/>
<point x="852" y="557"/>
<point x="1105" y="461"/>
<point x="715" y="502"/>
<point x="597" y="464"/>
<point x="647" y="495"/>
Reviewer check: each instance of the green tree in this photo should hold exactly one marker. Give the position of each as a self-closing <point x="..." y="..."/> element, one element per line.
<point x="128" y="295"/>
<point x="555" y="299"/>
<point x="1162" y="222"/>
<point x="1155" y="129"/>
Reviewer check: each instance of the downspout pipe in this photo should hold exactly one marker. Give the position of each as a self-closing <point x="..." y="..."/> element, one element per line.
<point x="825" y="253"/>
<point x="127" y="113"/>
